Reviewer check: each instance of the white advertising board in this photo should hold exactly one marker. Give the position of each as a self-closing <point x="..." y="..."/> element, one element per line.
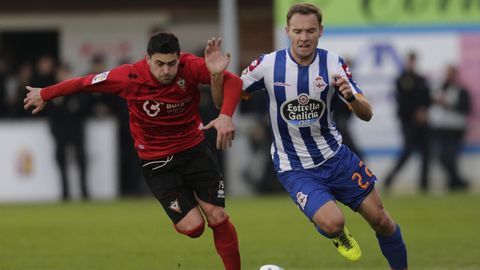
<point x="28" y="171"/>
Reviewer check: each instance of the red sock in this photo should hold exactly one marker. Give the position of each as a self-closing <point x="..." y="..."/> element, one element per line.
<point x="226" y="243"/>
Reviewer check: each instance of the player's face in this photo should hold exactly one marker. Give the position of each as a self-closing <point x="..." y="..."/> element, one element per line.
<point x="304" y="32"/>
<point x="164" y="67"/>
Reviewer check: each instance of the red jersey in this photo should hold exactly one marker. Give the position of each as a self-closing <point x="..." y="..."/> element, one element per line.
<point x="164" y="119"/>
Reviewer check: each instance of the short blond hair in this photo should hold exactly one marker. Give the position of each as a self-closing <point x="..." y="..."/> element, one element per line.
<point x="304" y="9"/>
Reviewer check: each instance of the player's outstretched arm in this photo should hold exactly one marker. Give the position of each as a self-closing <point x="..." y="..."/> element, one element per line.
<point x="216" y="63"/>
<point x="225" y="130"/>
<point x="33" y="99"/>
<point x="359" y="104"/>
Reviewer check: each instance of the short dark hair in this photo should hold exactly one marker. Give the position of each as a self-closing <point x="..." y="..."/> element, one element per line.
<point x="163" y="42"/>
<point x="412" y="56"/>
<point x="304" y="9"/>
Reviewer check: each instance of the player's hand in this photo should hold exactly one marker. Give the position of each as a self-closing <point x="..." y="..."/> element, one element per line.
<point x="216" y="62"/>
<point x="343" y="86"/>
<point x="34" y="100"/>
<point x="225" y="130"/>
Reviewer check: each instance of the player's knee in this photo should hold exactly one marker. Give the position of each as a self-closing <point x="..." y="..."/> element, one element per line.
<point x="331" y="226"/>
<point x="192" y="230"/>
<point x="216" y="215"/>
<point x="383" y="224"/>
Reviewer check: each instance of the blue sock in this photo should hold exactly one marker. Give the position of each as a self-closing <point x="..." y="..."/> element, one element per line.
<point x="323" y="233"/>
<point x="393" y="248"/>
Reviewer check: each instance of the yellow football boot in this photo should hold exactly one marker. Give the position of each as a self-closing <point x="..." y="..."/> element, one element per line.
<point x="347" y="246"/>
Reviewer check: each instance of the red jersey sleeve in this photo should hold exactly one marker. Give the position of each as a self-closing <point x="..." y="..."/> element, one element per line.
<point x="232" y="91"/>
<point x="114" y="81"/>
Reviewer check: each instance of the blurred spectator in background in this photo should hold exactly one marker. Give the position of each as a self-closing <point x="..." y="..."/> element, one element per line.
<point x="209" y="112"/>
<point x="259" y="172"/>
<point x="449" y="115"/>
<point x="102" y="103"/>
<point x="131" y="179"/>
<point x="15" y="91"/>
<point x="44" y="73"/>
<point x="413" y="101"/>
<point x="3" y="90"/>
<point x="343" y="117"/>
<point x="67" y="116"/>
<point x="108" y="105"/>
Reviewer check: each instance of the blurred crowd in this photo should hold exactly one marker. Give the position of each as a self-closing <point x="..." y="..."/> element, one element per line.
<point x="431" y="119"/>
<point x="67" y="116"/>
<point x="433" y="123"/>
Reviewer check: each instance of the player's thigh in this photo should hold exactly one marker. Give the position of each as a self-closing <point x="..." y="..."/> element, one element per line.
<point x="170" y="190"/>
<point x="374" y="212"/>
<point x="202" y="175"/>
<point x="353" y="181"/>
<point x="307" y="190"/>
<point x="190" y="221"/>
<point x="214" y="213"/>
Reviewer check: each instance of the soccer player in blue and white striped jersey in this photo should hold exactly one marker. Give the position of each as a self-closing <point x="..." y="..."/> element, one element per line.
<point x="304" y="84"/>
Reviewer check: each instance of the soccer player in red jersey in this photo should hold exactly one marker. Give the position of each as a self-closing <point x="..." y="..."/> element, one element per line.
<point x="163" y="98"/>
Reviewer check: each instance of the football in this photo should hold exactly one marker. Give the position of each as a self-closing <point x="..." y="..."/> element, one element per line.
<point x="270" y="267"/>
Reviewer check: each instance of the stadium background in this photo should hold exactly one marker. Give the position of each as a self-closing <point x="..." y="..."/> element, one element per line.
<point x="375" y="34"/>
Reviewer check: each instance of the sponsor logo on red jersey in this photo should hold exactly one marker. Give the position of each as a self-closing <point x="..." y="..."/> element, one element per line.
<point x="151" y="107"/>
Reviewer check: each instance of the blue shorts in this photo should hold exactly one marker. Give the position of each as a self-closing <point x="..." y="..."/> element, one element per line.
<point x="343" y="177"/>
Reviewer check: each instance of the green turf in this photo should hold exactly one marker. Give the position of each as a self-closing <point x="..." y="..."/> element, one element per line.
<point x="441" y="232"/>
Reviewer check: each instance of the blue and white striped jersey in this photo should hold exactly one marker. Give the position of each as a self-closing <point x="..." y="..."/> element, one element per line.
<point x="300" y="101"/>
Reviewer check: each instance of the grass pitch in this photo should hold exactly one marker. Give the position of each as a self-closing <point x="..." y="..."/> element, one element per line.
<point x="441" y="232"/>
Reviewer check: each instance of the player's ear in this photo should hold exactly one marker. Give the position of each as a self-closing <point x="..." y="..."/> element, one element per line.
<point x="321" y="30"/>
<point x="147" y="57"/>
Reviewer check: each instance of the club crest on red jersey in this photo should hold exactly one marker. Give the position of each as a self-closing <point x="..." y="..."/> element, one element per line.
<point x="181" y="83"/>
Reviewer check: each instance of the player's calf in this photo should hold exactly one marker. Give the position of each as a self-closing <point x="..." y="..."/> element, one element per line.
<point x="195" y="232"/>
<point x="226" y="243"/>
<point x="393" y="248"/>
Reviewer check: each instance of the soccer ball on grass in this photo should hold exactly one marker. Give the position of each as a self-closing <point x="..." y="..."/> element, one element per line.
<point x="270" y="267"/>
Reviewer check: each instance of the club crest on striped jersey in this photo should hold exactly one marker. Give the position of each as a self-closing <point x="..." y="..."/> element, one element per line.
<point x="319" y="84"/>
<point x="302" y="199"/>
<point x="302" y="111"/>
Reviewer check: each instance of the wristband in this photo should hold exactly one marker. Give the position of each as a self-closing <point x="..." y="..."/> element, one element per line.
<point x="351" y="99"/>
